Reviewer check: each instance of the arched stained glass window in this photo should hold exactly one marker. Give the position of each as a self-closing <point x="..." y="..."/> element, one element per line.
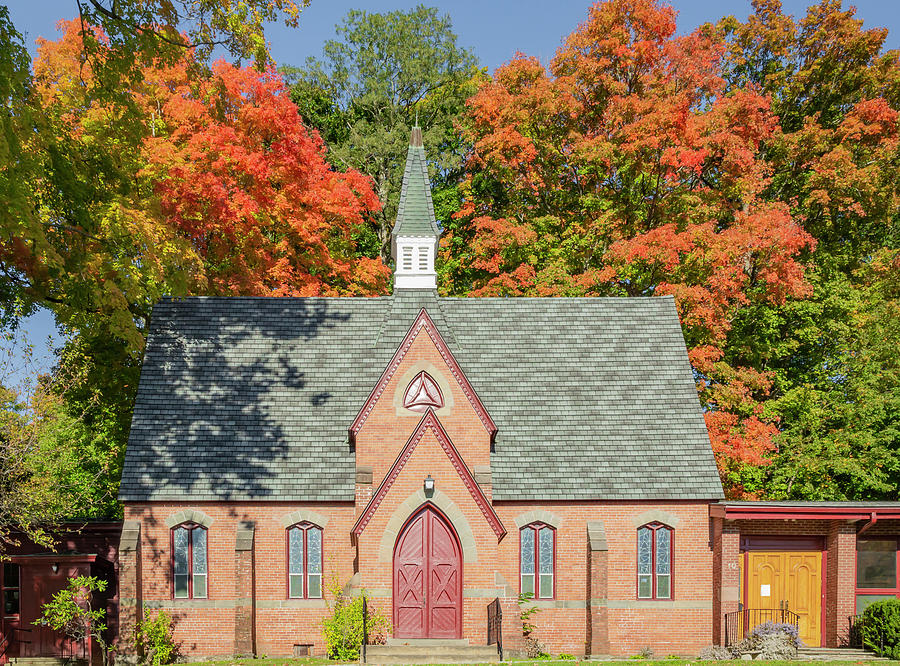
<point x="537" y="550"/>
<point x="304" y="561"/>
<point x="654" y="561"/>
<point x="422" y="393"/>
<point x="189" y="567"/>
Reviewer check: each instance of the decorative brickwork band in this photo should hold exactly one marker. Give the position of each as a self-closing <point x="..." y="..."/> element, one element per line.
<point x="189" y="516"/>
<point x="423" y="321"/>
<point x="431" y="422"/>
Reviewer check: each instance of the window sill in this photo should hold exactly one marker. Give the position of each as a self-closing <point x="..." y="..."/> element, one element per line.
<point x="291" y="603"/>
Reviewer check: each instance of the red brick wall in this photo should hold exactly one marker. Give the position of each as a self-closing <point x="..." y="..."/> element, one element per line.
<point x="209" y="630"/>
<point x="680" y="626"/>
<point x="387" y="428"/>
<point x="840" y="580"/>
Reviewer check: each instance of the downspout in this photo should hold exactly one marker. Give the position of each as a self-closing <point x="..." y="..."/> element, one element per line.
<point x="873" y="518"/>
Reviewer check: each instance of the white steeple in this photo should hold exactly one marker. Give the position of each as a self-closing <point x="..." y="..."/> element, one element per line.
<point x="415" y="238"/>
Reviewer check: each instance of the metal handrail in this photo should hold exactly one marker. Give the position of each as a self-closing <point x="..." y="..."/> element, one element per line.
<point x="365" y="639"/>
<point x="854" y="631"/>
<point x="4" y="646"/>
<point x="495" y="626"/>
<point x="855" y="635"/>
<point x="739" y="623"/>
<point x="69" y="653"/>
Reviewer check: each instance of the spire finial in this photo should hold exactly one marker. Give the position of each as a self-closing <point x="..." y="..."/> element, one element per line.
<point x="415" y="138"/>
<point x="417" y="117"/>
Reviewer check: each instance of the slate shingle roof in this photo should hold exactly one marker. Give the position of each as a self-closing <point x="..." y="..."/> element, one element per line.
<point x="415" y="211"/>
<point x="251" y="398"/>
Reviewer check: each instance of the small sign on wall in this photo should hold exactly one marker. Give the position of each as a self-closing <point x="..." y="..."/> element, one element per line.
<point x="765" y="591"/>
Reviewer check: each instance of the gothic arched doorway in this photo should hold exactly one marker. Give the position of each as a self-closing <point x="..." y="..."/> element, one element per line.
<point x="427" y="578"/>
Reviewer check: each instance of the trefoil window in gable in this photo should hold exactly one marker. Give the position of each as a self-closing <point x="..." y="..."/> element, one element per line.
<point x="422" y="393"/>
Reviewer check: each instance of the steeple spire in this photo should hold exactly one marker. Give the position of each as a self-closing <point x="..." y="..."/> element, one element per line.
<point x="415" y="238"/>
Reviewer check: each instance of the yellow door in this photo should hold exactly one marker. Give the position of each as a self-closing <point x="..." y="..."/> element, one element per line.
<point x="791" y="580"/>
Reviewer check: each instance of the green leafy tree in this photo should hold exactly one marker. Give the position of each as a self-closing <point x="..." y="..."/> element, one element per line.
<point x="68" y="237"/>
<point x="54" y="465"/>
<point x="835" y="90"/>
<point x="385" y="72"/>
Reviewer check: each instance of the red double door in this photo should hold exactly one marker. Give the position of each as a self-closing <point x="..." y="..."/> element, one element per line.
<point x="427" y="579"/>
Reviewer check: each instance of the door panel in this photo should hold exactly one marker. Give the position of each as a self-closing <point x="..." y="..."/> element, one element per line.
<point x="427" y="579"/>
<point x="764" y="584"/>
<point x="791" y="579"/>
<point x="39" y="584"/>
<point x="409" y="581"/>
<point x="803" y="592"/>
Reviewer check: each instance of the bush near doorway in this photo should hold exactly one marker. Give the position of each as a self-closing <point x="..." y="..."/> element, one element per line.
<point x="343" y="628"/>
<point x="881" y="628"/>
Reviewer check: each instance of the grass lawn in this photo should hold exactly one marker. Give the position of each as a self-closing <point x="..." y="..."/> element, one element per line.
<point x="318" y="661"/>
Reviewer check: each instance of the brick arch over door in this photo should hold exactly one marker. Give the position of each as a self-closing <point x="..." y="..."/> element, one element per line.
<point x="412" y="504"/>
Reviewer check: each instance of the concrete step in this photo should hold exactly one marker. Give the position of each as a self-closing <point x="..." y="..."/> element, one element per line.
<point x="429" y="642"/>
<point x="430" y="651"/>
<point x="837" y="654"/>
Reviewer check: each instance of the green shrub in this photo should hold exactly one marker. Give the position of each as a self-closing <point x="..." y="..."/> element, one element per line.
<point x="565" y="656"/>
<point x="343" y="628"/>
<point x="881" y="626"/>
<point x="154" y="640"/>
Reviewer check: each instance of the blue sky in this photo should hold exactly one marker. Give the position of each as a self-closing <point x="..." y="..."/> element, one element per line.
<point x="493" y="29"/>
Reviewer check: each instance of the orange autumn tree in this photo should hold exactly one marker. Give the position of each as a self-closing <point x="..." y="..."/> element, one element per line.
<point x="205" y="182"/>
<point x="626" y="170"/>
<point x="238" y="174"/>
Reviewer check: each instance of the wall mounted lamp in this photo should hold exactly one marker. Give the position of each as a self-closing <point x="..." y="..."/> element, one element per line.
<point x="428" y="485"/>
<point x="54" y="567"/>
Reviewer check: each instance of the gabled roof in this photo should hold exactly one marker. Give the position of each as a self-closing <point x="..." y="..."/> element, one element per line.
<point x="415" y="213"/>
<point x="423" y="323"/>
<point x="431" y="422"/>
<point x="251" y="398"/>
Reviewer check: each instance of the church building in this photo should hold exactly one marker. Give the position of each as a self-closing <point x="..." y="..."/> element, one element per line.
<point x="439" y="455"/>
